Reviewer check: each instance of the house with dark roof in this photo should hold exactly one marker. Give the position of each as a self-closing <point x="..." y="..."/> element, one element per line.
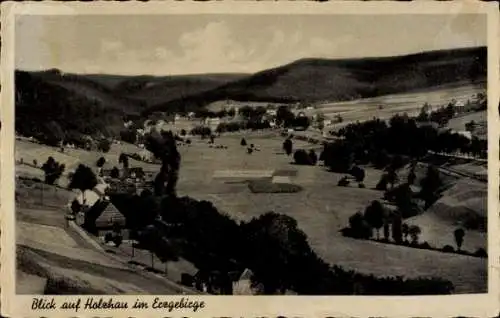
<point x="103" y="217"/>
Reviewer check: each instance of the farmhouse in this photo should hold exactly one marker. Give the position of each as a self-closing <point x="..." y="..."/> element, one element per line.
<point x="103" y="217"/>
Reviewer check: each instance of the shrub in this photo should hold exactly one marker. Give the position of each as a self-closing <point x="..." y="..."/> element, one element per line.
<point x="361" y="185"/>
<point x="188" y="141"/>
<point x="313" y="158"/>
<point x="425" y="246"/>
<point x="117" y="239"/>
<point x="301" y="157"/>
<point x="481" y="252"/>
<point x="128" y="135"/>
<point x="344" y="182"/>
<point x="243" y="142"/>
<point x="115" y="173"/>
<point x="288" y="146"/>
<point x="265" y="186"/>
<point x="100" y="162"/>
<point x="108" y="237"/>
<point x="382" y="184"/>
<point x="448" y="249"/>
<point x="201" y="131"/>
<point x="104" y="145"/>
<point x="358" y="227"/>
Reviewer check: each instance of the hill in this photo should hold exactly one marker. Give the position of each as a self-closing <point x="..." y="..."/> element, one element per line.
<point x="345" y="79"/>
<point x="52" y="103"/>
<point x="156" y="90"/>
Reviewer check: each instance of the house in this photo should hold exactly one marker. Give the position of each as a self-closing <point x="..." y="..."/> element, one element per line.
<point x="137" y="173"/>
<point x="102" y="217"/>
<point x="243" y="286"/>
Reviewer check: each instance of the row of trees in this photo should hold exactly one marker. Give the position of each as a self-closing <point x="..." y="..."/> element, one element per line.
<point x="372" y="142"/>
<point x="271" y="245"/>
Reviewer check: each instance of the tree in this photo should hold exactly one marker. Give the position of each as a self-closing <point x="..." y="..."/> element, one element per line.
<point x="123" y="159"/>
<point x="397" y="233"/>
<point x="115" y="173"/>
<point x="411" y="176"/>
<point x="406" y="231"/>
<point x="470" y="126"/>
<point x="313" y="158"/>
<point x="100" y="162"/>
<point x="104" y="145"/>
<point x="392" y="177"/>
<point x="374" y="215"/>
<point x="284" y="116"/>
<point x="129" y="135"/>
<point x="288" y="146"/>
<point x="414" y="231"/>
<point x="75" y="206"/>
<point x="359" y="227"/>
<point x="430" y="186"/>
<point x="53" y="170"/>
<point x="459" y="238"/>
<point x="358" y="173"/>
<point x="285" y="260"/>
<point x="164" y="148"/>
<point x="243" y="142"/>
<point x="382" y="184"/>
<point x="301" y="157"/>
<point x="83" y="179"/>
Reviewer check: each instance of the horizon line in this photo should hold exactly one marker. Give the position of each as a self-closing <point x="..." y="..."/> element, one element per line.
<point x="53" y="69"/>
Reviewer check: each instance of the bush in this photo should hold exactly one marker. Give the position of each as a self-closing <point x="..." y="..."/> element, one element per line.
<point x="425" y="246"/>
<point x="313" y="158"/>
<point x="301" y="157"/>
<point x="117" y="239"/>
<point x="201" y="131"/>
<point x="108" y="237"/>
<point x="361" y="185"/>
<point x="243" y="142"/>
<point x="265" y="186"/>
<point x="448" y="249"/>
<point x="382" y="184"/>
<point x="100" y="162"/>
<point x="104" y="145"/>
<point x="115" y="173"/>
<point x="481" y="252"/>
<point x="358" y="227"/>
<point x="129" y="136"/>
<point x="344" y="182"/>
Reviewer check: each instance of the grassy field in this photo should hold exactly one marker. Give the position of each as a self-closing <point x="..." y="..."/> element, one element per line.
<point x="322" y="209"/>
<point x="410" y="103"/>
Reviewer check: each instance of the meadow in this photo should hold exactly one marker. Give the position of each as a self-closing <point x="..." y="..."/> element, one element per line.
<point x="322" y="208"/>
<point x="411" y="103"/>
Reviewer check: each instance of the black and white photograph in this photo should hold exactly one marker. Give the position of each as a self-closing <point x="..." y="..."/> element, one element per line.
<point x="220" y="153"/>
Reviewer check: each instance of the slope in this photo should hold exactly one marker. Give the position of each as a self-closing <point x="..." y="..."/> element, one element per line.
<point x="155" y="90"/>
<point x="345" y="79"/>
<point x="50" y="103"/>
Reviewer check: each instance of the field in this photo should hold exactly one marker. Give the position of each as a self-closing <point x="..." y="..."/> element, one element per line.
<point x="322" y="209"/>
<point x="410" y="103"/>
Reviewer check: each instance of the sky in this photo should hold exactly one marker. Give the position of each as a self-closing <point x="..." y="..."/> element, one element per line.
<point x="195" y="44"/>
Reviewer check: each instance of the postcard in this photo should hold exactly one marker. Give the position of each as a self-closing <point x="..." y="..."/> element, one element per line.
<point x="250" y="159"/>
